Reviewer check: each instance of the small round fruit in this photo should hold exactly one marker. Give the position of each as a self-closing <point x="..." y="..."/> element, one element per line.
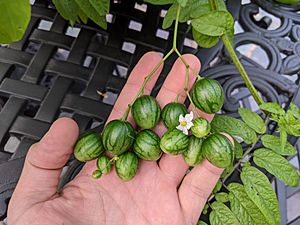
<point x="201" y="127"/>
<point x="171" y="112"/>
<point x="218" y="150"/>
<point x="146" y="145"/>
<point x="174" y="142"/>
<point x="127" y="165"/>
<point x="96" y="174"/>
<point x="194" y="155"/>
<point x="146" y="112"/>
<point x="88" y="147"/>
<point x="103" y="164"/>
<point x="208" y="95"/>
<point x="118" y="136"/>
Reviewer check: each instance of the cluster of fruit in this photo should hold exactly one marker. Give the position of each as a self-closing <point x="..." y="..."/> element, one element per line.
<point x="127" y="145"/>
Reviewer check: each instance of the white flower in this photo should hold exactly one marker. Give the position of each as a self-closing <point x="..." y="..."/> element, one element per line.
<point x="185" y="123"/>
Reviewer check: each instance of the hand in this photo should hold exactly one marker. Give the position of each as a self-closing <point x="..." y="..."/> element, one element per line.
<point x="160" y="194"/>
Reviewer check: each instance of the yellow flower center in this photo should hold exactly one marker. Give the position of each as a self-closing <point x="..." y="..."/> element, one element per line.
<point x="183" y="123"/>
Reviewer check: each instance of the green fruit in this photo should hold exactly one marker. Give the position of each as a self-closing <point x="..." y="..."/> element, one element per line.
<point x="288" y="2"/>
<point x="146" y="112"/>
<point x="88" y="147"/>
<point x="96" y="174"/>
<point x="127" y="165"/>
<point x="208" y="95"/>
<point x="201" y="127"/>
<point x="218" y="150"/>
<point x="118" y="136"/>
<point x="146" y="145"/>
<point x="194" y="155"/>
<point x="171" y="112"/>
<point x="174" y="142"/>
<point x="103" y="164"/>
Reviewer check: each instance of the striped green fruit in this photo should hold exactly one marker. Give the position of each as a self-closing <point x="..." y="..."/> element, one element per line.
<point x="103" y="164"/>
<point x="96" y="174"/>
<point x="118" y="136"/>
<point x="127" y="165"/>
<point x="88" y="146"/>
<point x="201" y="127"/>
<point x="194" y="155"/>
<point x="208" y="95"/>
<point x="146" y="145"/>
<point x="218" y="150"/>
<point x="146" y="112"/>
<point x="174" y="142"/>
<point x="171" y="112"/>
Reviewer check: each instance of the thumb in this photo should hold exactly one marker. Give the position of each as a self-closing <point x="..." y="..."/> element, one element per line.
<point x="44" y="163"/>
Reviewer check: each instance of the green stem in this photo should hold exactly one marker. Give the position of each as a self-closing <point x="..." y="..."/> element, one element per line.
<point x="147" y="78"/>
<point x="176" y="28"/>
<point x="241" y="69"/>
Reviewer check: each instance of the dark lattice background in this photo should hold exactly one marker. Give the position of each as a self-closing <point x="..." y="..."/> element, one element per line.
<point x="56" y="70"/>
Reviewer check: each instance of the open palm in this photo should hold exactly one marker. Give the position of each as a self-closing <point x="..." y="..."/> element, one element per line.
<point x="160" y="194"/>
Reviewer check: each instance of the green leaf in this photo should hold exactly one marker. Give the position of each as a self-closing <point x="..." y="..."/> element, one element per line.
<point x="276" y="165"/>
<point x="159" y="2"/>
<point x="238" y="150"/>
<point x="272" y="107"/>
<point x="92" y="13"/>
<point x="253" y="120"/>
<point x="222" y="197"/>
<point x="217" y="187"/>
<point x="68" y="9"/>
<point x="221" y="214"/>
<point x="214" y="23"/>
<point x="199" y="8"/>
<point x="182" y="3"/>
<point x="220" y="5"/>
<point x="283" y="139"/>
<point x="260" y="191"/>
<point x="205" y="209"/>
<point x="14" y="19"/>
<point x="273" y="143"/>
<point x="234" y="127"/>
<point x="295" y="111"/>
<point x="171" y="15"/>
<point x="205" y="41"/>
<point x="101" y="6"/>
<point x="82" y="16"/>
<point x="243" y="207"/>
<point x="201" y="223"/>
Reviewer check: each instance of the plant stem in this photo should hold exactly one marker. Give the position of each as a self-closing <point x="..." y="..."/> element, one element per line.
<point x="176" y="29"/>
<point x="147" y="78"/>
<point x="241" y="69"/>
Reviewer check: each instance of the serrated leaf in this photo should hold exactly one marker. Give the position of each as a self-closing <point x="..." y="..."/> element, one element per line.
<point x="92" y="13"/>
<point x="273" y="143"/>
<point x="159" y="2"/>
<point x="276" y="165"/>
<point x="221" y="214"/>
<point x="214" y="23"/>
<point x="222" y="197"/>
<point x="243" y="207"/>
<point x="14" y="19"/>
<point x="205" y="41"/>
<point x="260" y="191"/>
<point x="101" y="6"/>
<point x="234" y="127"/>
<point x="253" y="120"/>
<point x="238" y="150"/>
<point x="68" y="9"/>
<point x="294" y="110"/>
<point x="201" y="223"/>
<point x="272" y="107"/>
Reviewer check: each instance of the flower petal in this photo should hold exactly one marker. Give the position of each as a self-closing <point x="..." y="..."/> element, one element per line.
<point x="189" y="117"/>
<point x="189" y="125"/>
<point x="181" y="118"/>
<point x="185" y="131"/>
<point x="179" y="127"/>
